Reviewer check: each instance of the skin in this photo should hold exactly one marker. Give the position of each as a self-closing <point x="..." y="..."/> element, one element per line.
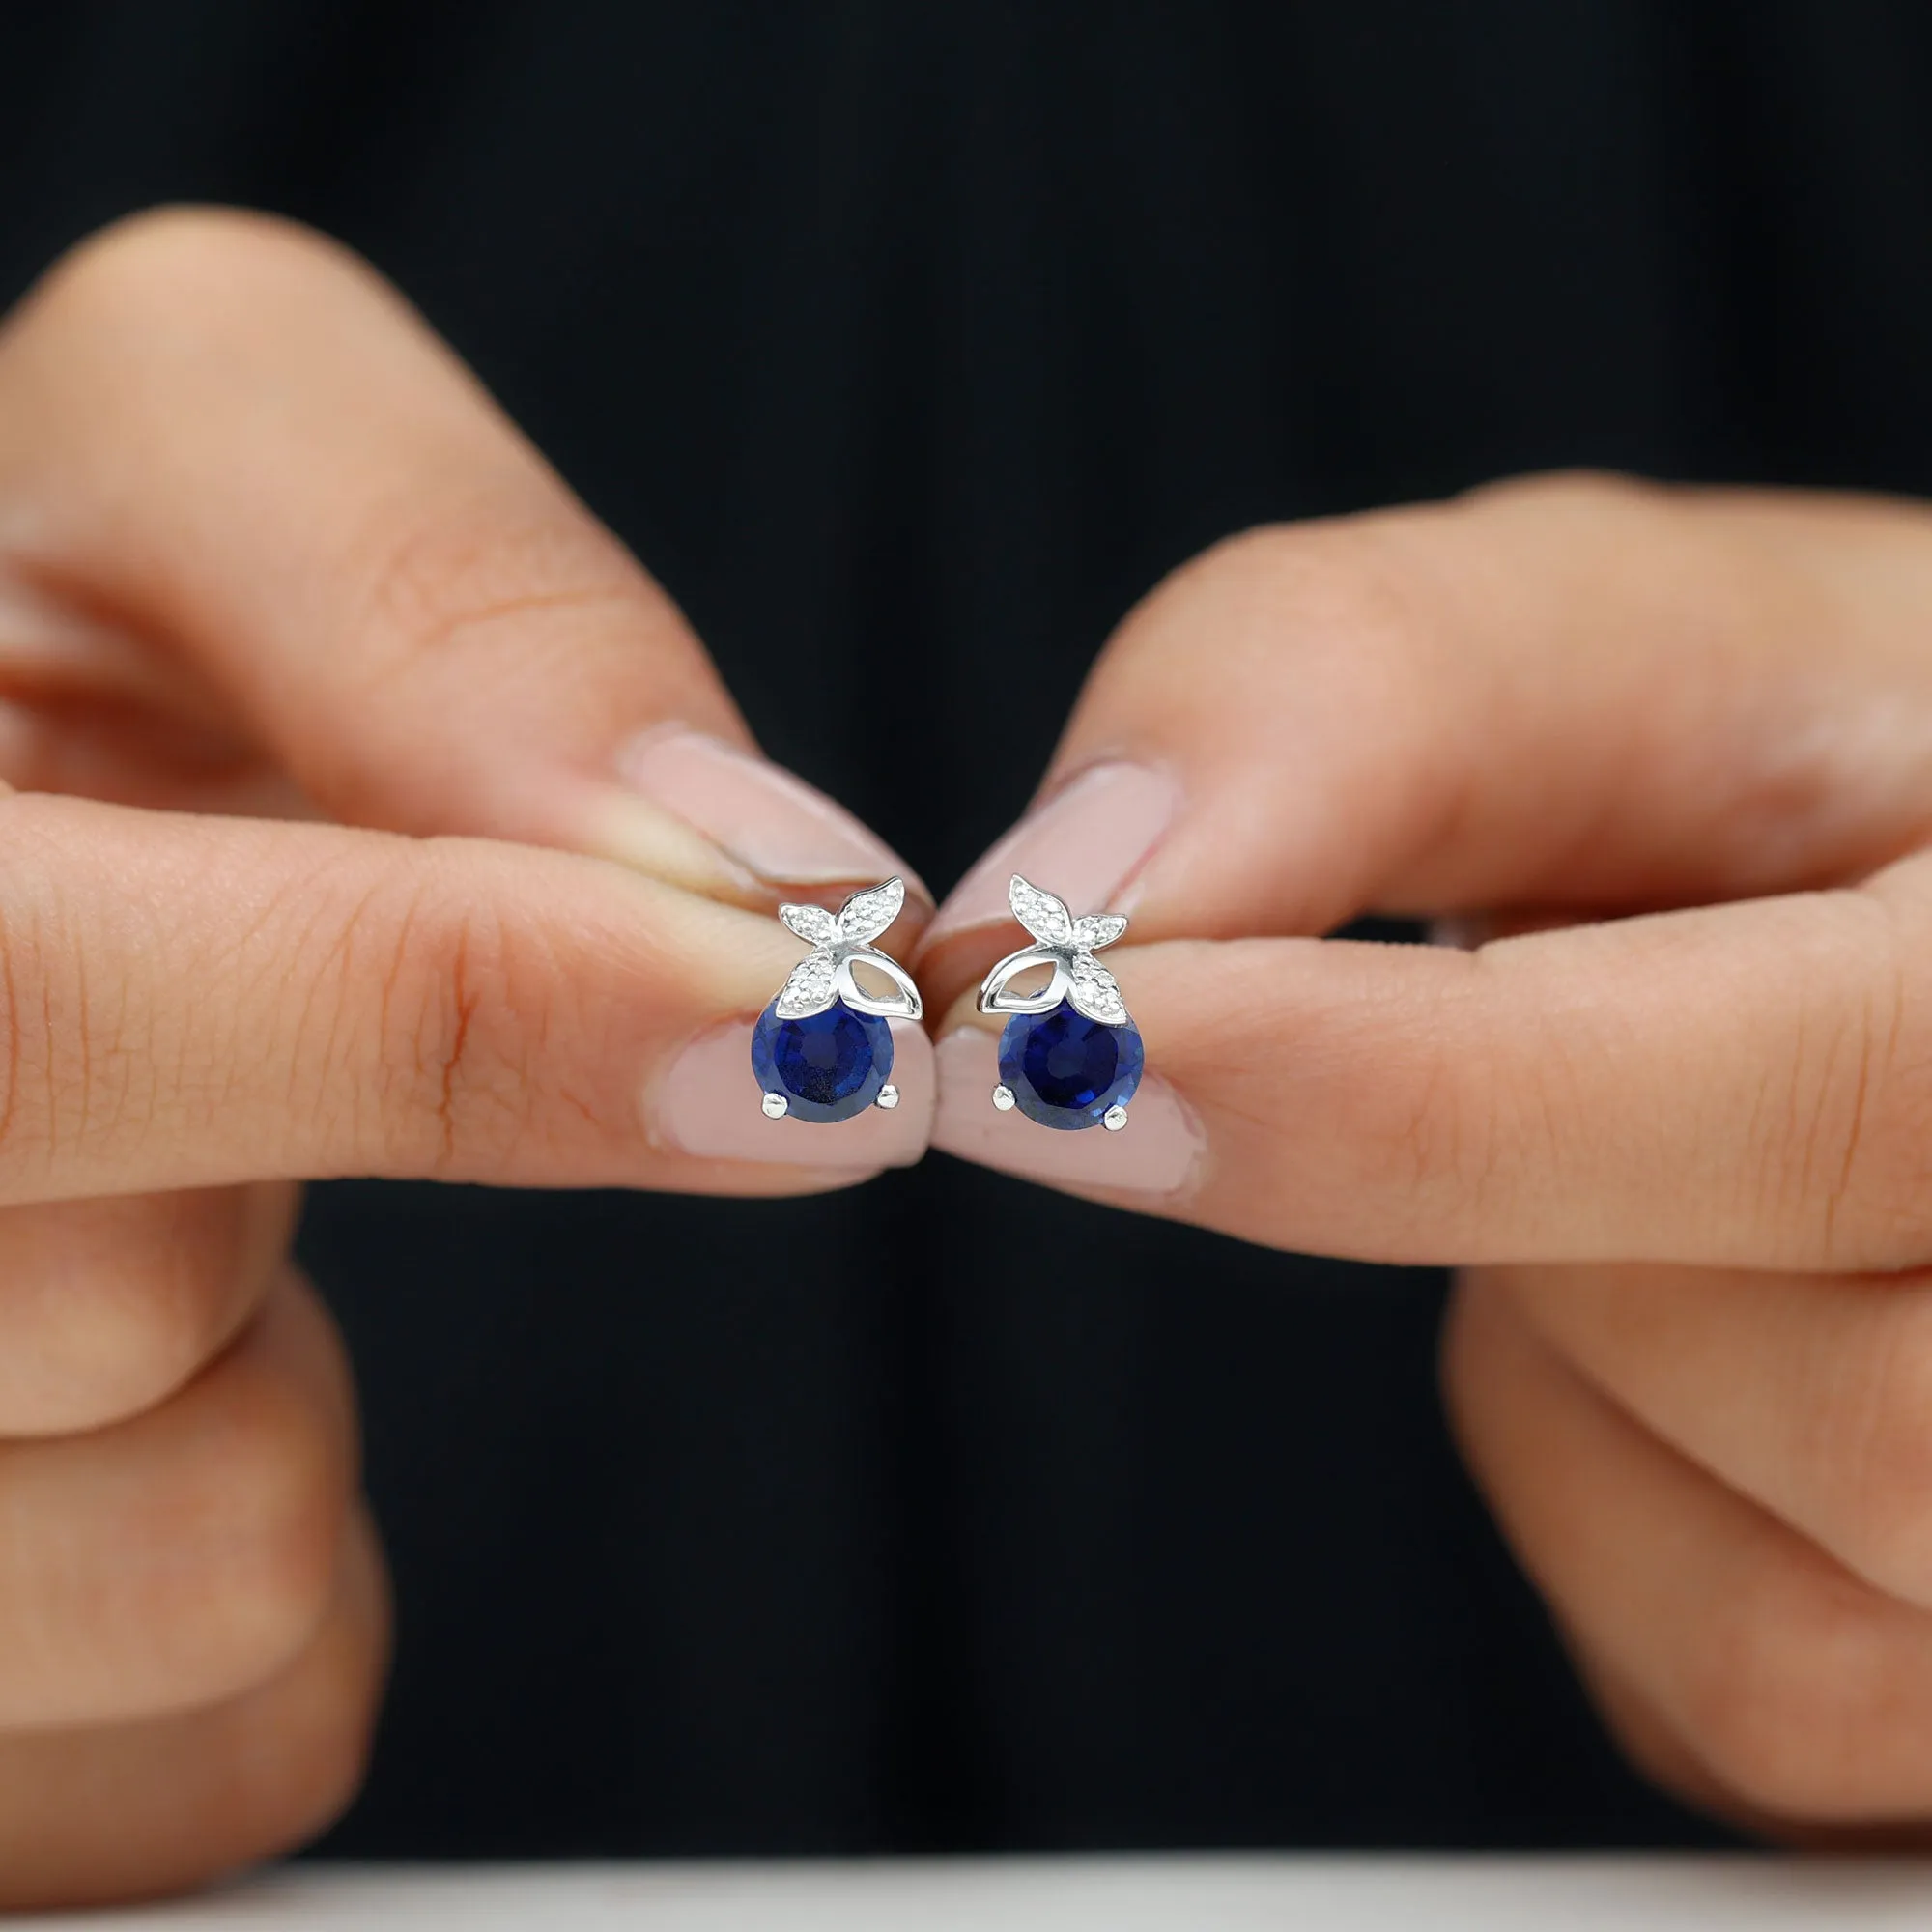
<point x="309" y="873"/>
<point x="305" y="657"/>
<point x="1669" y="755"/>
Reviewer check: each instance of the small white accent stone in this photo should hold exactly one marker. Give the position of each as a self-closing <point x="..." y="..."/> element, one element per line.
<point x="774" y="1105"/>
<point x="1042" y="914"/>
<point x="889" y="1097"/>
<point x="1003" y="1099"/>
<point x="809" y="989"/>
<point x="1114" y="1119"/>
<point x="813" y="924"/>
<point x="1097" y="929"/>
<point x="866" y="915"/>
<point x="1095" y="992"/>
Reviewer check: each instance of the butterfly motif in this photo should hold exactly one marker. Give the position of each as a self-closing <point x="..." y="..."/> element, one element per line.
<point x="1065" y="943"/>
<point x="836" y="940"/>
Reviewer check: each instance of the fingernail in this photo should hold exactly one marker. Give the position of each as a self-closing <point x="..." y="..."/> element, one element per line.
<point x="708" y="1104"/>
<point x="762" y="817"/>
<point x="1157" y="1153"/>
<point x="1086" y="844"/>
<point x="1464" y="932"/>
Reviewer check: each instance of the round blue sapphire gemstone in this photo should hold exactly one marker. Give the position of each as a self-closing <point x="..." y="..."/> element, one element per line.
<point x="1064" y="1069"/>
<point x="828" y="1067"/>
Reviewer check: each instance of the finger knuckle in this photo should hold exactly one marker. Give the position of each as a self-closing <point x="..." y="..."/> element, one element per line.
<point x="1844" y="1123"/>
<point x="1874" y="1438"/>
<point x="463" y="1039"/>
<point x="1577" y="491"/>
<point x="1340" y="589"/>
<point x="134" y="1300"/>
<point x="1456" y="1134"/>
<point x="445" y="1076"/>
<point x="297" y="1755"/>
<point x="1346" y="597"/>
<point x="158" y="261"/>
<point x="1783" y="1702"/>
<point x="447" y="593"/>
<point x="255" y="1522"/>
<point x="70" y="1078"/>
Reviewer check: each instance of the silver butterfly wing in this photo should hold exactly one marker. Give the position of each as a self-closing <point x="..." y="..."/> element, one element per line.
<point x="809" y="990"/>
<point x="1042" y="914"/>
<point x="866" y="915"/>
<point x="1095" y="992"/>
<point x="1097" y="929"/>
<point x="813" y="924"/>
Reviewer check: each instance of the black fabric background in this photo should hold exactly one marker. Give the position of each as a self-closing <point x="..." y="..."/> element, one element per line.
<point x="908" y="346"/>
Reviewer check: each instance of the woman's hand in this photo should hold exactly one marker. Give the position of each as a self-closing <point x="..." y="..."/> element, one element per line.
<point x="266" y="549"/>
<point x="1685" y="1158"/>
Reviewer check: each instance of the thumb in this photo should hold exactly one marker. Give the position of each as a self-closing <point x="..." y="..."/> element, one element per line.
<point x="230" y="434"/>
<point x="1572" y="694"/>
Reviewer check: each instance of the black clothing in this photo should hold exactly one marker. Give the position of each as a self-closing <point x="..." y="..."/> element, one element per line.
<point x="904" y="340"/>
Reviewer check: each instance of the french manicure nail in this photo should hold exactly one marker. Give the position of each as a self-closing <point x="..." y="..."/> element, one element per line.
<point x="1156" y="1152"/>
<point x="764" y="818"/>
<point x="708" y="1104"/>
<point x="1086" y="844"/>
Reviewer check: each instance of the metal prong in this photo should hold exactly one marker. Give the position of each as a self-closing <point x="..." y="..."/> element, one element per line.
<point x="774" y="1105"/>
<point x="889" y="1097"/>
<point x="1003" y="1098"/>
<point x="1114" y="1119"/>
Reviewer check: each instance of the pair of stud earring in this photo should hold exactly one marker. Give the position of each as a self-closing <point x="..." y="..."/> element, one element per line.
<point x="1070" y="1054"/>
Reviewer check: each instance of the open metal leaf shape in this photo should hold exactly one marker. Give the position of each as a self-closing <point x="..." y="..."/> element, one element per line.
<point x="902" y="1004"/>
<point x="995" y="996"/>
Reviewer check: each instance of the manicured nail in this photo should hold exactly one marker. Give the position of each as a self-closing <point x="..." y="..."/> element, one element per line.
<point x="761" y="817"/>
<point x="1464" y="932"/>
<point x="1156" y="1152"/>
<point x="709" y="1104"/>
<point x="1086" y="844"/>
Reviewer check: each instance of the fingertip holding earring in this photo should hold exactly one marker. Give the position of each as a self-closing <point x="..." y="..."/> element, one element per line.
<point x="822" y="1050"/>
<point x="1070" y="1057"/>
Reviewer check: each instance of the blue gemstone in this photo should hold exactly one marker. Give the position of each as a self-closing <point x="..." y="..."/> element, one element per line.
<point x="1064" y="1069"/>
<point x="828" y="1067"/>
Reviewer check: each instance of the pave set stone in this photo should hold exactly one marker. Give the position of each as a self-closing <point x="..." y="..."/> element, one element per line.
<point x="1076" y="1064"/>
<point x="822" y="1051"/>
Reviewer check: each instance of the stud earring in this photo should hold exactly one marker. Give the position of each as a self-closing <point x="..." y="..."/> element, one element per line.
<point x="1069" y="1057"/>
<point x="822" y="1050"/>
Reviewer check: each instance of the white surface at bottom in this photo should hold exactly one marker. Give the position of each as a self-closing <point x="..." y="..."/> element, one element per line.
<point x="1303" y="1893"/>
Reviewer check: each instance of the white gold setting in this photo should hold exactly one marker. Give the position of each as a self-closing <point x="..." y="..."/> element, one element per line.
<point x="1114" y="1119"/>
<point x="1004" y="1098"/>
<point x="887" y="1098"/>
<point x="775" y="1106"/>
<point x="1068" y="946"/>
<point x="838" y="943"/>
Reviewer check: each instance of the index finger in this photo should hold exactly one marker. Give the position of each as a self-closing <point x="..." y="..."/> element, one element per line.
<point x="188" y="1000"/>
<point x="1747" y="1085"/>
<point x="1564" y="693"/>
<point x="229" y="435"/>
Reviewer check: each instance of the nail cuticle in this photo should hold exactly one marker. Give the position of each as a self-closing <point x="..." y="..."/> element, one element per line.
<point x="760" y="816"/>
<point x="1090" y="840"/>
